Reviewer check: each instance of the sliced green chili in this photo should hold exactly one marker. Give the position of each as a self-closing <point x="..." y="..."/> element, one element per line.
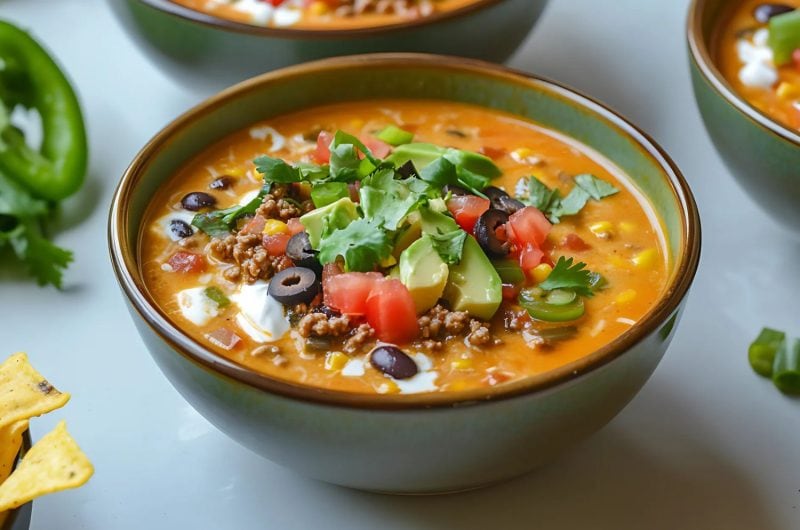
<point x="764" y="349"/>
<point x="786" y="370"/>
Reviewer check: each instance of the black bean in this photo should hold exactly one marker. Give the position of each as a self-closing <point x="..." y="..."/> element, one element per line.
<point x="764" y="12"/>
<point x="393" y="361"/>
<point x="197" y="200"/>
<point x="455" y="190"/>
<point x="486" y="233"/>
<point x="502" y="201"/>
<point x="221" y="183"/>
<point x="299" y="250"/>
<point x="181" y="229"/>
<point x="295" y="285"/>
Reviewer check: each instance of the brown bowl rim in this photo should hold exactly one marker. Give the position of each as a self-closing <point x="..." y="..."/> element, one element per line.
<point x="205" y="19"/>
<point x="701" y="55"/>
<point x="123" y="260"/>
<point x="13" y="514"/>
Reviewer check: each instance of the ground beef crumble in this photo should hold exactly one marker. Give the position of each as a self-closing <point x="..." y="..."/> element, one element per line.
<point x="440" y="324"/>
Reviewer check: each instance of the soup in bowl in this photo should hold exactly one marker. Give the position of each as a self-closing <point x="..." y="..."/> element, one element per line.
<point x="745" y="65"/>
<point x="464" y="259"/>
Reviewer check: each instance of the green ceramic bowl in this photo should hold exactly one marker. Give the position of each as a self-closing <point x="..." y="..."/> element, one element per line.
<point x="208" y="53"/>
<point x="762" y="154"/>
<point x="422" y="443"/>
<point x="20" y="518"/>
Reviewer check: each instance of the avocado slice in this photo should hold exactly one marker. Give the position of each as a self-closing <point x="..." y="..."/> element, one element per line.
<point x="473" y="284"/>
<point x="408" y="235"/>
<point x="342" y="213"/>
<point x="424" y="273"/>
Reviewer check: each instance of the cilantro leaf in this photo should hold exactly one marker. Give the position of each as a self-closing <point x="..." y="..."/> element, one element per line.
<point x="573" y="203"/>
<point x="550" y="202"/>
<point x="595" y="187"/>
<point x="276" y="170"/>
<point x="450" y="245"/>
<point x="362" y="244"/>
<point x="542" y="197"/>
<point x="386" y="200"/>
<point x="571" y="277"/>
<point x="220" y="223"/>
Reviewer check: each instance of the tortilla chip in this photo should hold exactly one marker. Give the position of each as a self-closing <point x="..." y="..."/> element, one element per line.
<point x="54" y="463"/>
<point x="24" y="393"/>
<point x="10" y="442"/>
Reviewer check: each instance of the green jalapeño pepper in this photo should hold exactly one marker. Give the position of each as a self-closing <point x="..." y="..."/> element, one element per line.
<point x="31" y="79"/>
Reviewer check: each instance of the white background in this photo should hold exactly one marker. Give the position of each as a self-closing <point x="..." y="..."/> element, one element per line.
<point x="706" y="445"/>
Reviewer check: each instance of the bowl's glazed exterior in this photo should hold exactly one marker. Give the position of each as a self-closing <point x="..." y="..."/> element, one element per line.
<point x="208" y="54"/>
<point x="20" y="518"/>
<point x="424" y="443"/>
<point x="763" y="155"/>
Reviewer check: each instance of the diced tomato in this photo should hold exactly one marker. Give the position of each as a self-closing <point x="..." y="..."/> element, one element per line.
<point x="379" y="148"/>
<point x="575" y="242"/>
<point x="329" y="271"/>
<point x="530" y="257"/>
<point x="510" y="291"/>
<point x="322" y="155"/>
<point x="466" y="209"/>
<point x="492" y="152"/>
<point x="224" y="338"/>
<point x="276" y="245"/>
<point x="295" y="226"/>
<point x="528" y="226"/>
<point x="391" y="312"/>
<point x="187" y="262"/>
<point x="255" y="225"/>
<point x="353" y="188"/>
<point x="348" y="292"/>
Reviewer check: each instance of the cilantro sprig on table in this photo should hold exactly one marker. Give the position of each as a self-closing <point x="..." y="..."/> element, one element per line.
<point x="554" y="206"/>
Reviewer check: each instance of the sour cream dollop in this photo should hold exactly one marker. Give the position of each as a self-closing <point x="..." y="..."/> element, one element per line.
<point x="260" y="316"/>
<point x="196" y="307"/>
<point x="758" y="70"/>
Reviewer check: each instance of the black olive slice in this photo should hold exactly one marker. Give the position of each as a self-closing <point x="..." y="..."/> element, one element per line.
<point x="299" y="250"/>
<point x="197" y="200"/>
<point x="295" y="285"/>
<point x="394" y="362"/>
<point x="456" y="191"/>
<point x="502" y="201"/>
<point x="764" y="12"/>
<point x="486" y="233"/>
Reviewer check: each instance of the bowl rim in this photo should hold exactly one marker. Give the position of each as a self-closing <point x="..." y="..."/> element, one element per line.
<point x="701" y="55"/>
<point x="8" y="524"/>
<point x="191" y="15"/>
<point x="123" y="260"/>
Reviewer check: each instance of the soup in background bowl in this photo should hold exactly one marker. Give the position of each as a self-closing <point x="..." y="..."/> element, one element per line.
<point x="748" y="106"/>
<point x="210" y="49"/>
<point x="477" y="425"/>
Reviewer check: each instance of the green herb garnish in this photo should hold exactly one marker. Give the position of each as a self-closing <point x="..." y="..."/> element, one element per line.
<point x="362" y="244"/>
<point x="550" y="202"/>
<point x="450" y="245"/>
<point x="565" y="275"/>
<point x="220" y="223"/>
<point x="215" y="294"/>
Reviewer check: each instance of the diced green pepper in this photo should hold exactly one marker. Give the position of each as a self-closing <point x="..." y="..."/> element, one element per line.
<point x="786" y="371"/>
<point x="784" y="36"/>
<point x="216" y="295"/>
<point x="395" y="136"/>
<point x="764" y="349"/>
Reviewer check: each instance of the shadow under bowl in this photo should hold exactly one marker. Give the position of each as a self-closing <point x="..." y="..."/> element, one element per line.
<point x="20" y="518"/>
<point x="207" y="53"/>
<point x="762" y="154"/>
<point x="425" y="443"/>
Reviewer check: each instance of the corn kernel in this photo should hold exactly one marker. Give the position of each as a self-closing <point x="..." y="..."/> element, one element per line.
<point x="318" y="8"/>
<point x="625" y="297"/>
<point x="602" y="229"/>
<point x="788" y="91"/>
<point x="461" y="364"/>
<point x="274" y="227"/>
<point x="523" y="152"/>
<point x="335" y="361"/>
<point x="541" y="272"/>
<point x="627" y="227"/>
<point x="645" y="259"/>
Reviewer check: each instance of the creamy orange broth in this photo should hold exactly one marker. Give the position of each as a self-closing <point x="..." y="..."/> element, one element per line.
<point x="632" y="292"/>
<point x="317" y="15"/>
<point x="740" y="23"/>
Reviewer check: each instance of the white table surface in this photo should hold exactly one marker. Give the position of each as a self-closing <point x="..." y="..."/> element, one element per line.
<point x="706" y="445"/>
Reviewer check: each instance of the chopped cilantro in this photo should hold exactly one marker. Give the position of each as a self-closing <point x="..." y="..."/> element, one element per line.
<point x="571" y="277"/>
<point x="219" y="223"/>
<point x="550" y="202"/>
<point x="386" y="200"/>
<point x="276" y="170"/>
<point x="450" y="245"/>
<point x="362" y="244"/>
<point x="215" y="294"/>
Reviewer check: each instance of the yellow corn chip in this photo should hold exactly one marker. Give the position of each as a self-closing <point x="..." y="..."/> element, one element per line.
<point x="24" y="393"/>
<point x="54" y="463"/>
<point x="10" y="442"/>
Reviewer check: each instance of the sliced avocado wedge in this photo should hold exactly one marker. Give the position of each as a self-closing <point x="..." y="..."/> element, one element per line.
<point x="473" y="284"/>
<point x="341" y="212"/>
<point x="424" y="273"/>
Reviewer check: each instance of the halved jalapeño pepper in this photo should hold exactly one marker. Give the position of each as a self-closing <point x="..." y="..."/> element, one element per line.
<point x="553" y="306"/>
<point x="31" y="79"/>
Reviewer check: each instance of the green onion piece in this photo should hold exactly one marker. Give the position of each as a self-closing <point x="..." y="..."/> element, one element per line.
<point x="393" y="135"/>
<point x="509" y="270"/>
<point x="764" y="349"/>
<point x="786" y="371"/>
<point x="328" y="193"/>
<point x="784" y="36"/>
<point x="215" y="294"/>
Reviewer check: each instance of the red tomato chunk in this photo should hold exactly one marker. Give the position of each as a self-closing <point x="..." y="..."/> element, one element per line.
<point x="466" y="209"/>
<point x="391" y="312"/>
<point x="187" y="262"/>
<point x="276" y="245"/>
<point x="348" y="292"/>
